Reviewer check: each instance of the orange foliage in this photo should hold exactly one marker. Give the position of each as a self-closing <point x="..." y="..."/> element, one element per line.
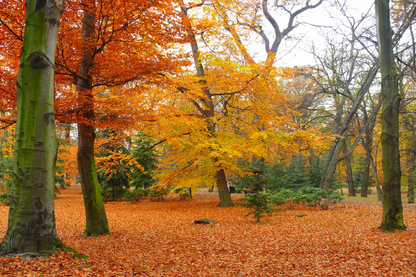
<point x="11" y="36"/>
<point x="132" y="43"/>
<point x="160" y="239"/>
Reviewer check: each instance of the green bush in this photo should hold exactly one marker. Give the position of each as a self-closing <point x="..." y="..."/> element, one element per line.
<point x="126" y="175"/>
<point x="301" y="171"/>
<point x="260" y="203"/>
<point x="136" y="195"/>
<point x="184" y="193"/>
<point x="284" y="196"/>
<point x="158" y="194"/>
<point x="305" y="195"/>
<point x="5" y="198"/>
<point x="107" y="194"/>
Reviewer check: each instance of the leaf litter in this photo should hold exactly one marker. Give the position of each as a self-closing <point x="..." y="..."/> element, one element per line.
<point x="161" y="239"/>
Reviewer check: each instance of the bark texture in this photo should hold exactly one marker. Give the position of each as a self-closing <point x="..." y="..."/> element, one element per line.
<point x="96" y="218"/>
<point x="392" y="200"/>
<point x="31" y="228"/>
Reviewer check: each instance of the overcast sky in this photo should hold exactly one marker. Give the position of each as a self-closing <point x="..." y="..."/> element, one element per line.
<point x="325" y="15"/>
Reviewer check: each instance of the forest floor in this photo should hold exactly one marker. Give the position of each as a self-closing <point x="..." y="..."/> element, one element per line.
<point x="161" y="239"/>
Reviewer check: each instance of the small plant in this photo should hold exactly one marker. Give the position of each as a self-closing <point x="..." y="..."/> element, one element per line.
<point x="107" y="194"/>
<point x="285" y="196"/>
<point x="158" y="194"/>
<point x="184" y="193"/>
<point x="260" y="203"/>
<point x="135" y="196"/>
<point x="5" y="198"/>
<point x="271" y="208"/>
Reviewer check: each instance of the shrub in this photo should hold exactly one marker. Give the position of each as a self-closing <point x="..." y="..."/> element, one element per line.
<point x="136" y="195"/>
<point x="5" y="198"/>
<point x="132" y="168"/>
<point x="259" y="203"/>
<point x="284" y="196"/>
<point x="158" y="194"/>
<point x="184" y="193"/>
<point x="107" y="194"/>
<point x="305" y="195"/>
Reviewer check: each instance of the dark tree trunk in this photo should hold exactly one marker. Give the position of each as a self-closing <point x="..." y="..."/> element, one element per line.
<point x="411" y="165"/>
<point x="96" y="218"/>
<point x="224" y="193"/>
<point x="348" y="170"/>
<point x="366" y="181"/>
<point x="392" y="201"/>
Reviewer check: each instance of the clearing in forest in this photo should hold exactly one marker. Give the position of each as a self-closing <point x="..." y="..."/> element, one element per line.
<point x="161" y="239"/>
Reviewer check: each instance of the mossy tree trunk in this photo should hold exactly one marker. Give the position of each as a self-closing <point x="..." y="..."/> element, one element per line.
<point x="31" y="227"/>
<point x="96" y="218"/>
<point x="392" y="201"/>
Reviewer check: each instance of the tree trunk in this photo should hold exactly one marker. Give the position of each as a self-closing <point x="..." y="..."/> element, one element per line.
<point x="224" y="193"/>
<point x="392" y="200"/>
<point x="348" y="170"/>
<point x="96" y="218"/>
<point x="368" y="146"/>
<point x="374" y="170"/>
<point x="67" y="137"/>
<point x="411" y="165"/>
<point x="31" y="229"/>
<point x="331" y="165"/>
<point x="366" y="180"/>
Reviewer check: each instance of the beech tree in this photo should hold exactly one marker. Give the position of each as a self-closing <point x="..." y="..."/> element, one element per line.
<point x="208" y="110"/>
<point x="234" y="89"/>
<point x="392" y="201"/>
<point x="109" y="55"/>
<point x="31" y="230"/>
<point x="96" y="218"/>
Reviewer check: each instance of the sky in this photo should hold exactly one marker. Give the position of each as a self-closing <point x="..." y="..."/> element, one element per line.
<point x="295" y="53"/>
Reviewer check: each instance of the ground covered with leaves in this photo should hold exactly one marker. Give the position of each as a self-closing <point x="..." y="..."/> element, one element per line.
<point x="161" y="239"/>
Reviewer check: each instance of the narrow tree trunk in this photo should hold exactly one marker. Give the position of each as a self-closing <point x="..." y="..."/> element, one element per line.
<point x="67" y="137"/>
<point x="31" y="229"/>
<point x="366" y="180"/>
<point x="374" y="169"/>
<point x="411" y="165"/>
<point x="348" y="170"/>
<point x="392" y="200"/>
<point x="96" y="218"/>
<point x="368" y="145"/>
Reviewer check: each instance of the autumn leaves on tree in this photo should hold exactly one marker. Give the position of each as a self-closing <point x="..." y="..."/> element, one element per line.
<point x="184" y="75"/>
